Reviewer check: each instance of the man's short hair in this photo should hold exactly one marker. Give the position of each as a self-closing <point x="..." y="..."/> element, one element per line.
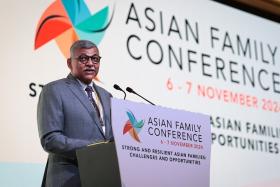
<point x="81" y="44"/>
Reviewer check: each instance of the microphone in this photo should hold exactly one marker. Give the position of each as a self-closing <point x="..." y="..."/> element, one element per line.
<point x="117" y="87"/>
<point x="130" y="90"/>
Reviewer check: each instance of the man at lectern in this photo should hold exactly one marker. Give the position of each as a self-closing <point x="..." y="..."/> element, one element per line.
<point x="72" y="113"/>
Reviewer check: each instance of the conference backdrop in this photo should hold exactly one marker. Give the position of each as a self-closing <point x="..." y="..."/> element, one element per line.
<point x="196" y="55"/>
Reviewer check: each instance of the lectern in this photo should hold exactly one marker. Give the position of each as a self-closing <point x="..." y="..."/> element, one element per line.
<point x="154" y="147"/>
<point x="98" y="165"/>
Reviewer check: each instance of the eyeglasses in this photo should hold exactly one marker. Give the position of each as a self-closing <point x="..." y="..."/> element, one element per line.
<point x="85" y="58"/>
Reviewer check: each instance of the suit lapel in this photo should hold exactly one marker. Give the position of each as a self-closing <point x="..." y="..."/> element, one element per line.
<point x="77" y="90"/>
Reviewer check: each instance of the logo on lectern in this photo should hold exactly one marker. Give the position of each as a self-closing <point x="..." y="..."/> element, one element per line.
<point x="132" y="126"/>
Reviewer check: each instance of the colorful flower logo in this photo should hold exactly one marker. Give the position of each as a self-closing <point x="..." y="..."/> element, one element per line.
<point x="133" y="126"/>
<point x="69" y="20"/>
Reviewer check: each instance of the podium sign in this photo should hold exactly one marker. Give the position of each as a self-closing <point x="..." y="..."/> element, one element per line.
<point x="161" y="147"/>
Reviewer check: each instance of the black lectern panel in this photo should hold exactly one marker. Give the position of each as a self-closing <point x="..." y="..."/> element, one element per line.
<point x="98" y="166"/>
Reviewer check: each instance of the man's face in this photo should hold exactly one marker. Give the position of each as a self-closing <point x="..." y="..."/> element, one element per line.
<point x="82" y="67"/>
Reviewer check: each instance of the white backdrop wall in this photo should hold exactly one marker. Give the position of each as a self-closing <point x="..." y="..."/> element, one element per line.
<point x="195" y="55"/>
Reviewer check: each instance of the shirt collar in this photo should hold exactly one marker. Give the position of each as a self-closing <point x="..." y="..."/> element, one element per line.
<point x="85" y="85"/>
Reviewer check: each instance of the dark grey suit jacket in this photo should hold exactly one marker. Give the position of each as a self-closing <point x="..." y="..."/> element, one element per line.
<point x="67" y="121"/>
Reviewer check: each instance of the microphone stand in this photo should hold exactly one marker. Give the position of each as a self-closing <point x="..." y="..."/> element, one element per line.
<point x="117" y="87"/>
<point x="132" y="91"/>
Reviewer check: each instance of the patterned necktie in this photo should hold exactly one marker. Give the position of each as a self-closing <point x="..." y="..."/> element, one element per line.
<point x="89" y="91"/>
